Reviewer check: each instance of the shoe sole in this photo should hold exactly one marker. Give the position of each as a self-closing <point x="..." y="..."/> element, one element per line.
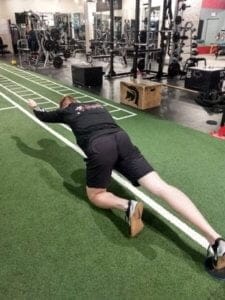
<point x="220" y="263"/>
<point x="136" y="224"/>
<point x="218" y="272"/>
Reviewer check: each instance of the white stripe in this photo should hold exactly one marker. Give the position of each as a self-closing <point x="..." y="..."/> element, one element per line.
<point x="64" y="88"/>
<point x="155" y="206"/>
<point x="50" y="85"/>
<point x="121" y="118"/>
<point x="5" y="108"/>
<point x="26" y="94"/>
<point x="114" y="110"/>
<point x="25" y="89"/>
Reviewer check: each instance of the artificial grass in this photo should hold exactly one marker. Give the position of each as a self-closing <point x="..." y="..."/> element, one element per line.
<point x="54" y="244"/>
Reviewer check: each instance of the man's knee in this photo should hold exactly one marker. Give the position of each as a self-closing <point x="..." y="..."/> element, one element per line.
<point x="94" y="193"/>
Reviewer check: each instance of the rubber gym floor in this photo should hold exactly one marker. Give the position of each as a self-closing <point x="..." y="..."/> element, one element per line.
<point x="55" y="245"/>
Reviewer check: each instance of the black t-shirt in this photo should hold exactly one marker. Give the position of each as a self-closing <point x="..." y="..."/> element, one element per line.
<point x="87" y="120"/>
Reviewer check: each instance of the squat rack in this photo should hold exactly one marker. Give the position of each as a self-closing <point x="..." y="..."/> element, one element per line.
<point x="167" y="11"/>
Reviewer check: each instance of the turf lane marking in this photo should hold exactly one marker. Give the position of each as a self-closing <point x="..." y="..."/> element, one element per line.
<point x="114" y="110"/>
<point x="122" y="181"/>
<point x="47" y="100"/>
<point x="6" y="108"/>
<point x="25" y="89"/>
<point x="130" y="114"/>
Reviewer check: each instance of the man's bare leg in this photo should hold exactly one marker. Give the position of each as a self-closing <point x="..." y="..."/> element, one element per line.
<point x="179" y="202"/>
<point x="104" y="199"/>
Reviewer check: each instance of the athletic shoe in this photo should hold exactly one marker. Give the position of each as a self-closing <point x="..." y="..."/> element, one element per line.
<point x="134" y="214"/>
<point x="215" y="264"/>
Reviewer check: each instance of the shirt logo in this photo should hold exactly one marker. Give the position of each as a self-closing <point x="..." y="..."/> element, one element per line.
<point x="85" y="107"/>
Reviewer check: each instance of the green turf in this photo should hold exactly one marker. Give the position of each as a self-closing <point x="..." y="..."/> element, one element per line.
<point x="55" y="245"/>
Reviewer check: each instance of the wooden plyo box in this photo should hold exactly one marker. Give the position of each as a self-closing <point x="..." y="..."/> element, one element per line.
<point x="141" y="94"/>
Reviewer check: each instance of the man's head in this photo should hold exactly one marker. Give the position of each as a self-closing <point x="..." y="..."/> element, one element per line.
<point x="65" y="101"/>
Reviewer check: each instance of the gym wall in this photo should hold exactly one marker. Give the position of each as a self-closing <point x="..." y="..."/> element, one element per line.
<point x="213" y="22"/>
<point x="213" y="17"/>
<point x="193" y="13"/>
<point x="9" y="7"/>
<point x="4" y="28"/>
<point x="213" y="4"/>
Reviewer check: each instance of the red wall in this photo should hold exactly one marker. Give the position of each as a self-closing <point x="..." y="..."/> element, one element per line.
<point x="214" y="4"/>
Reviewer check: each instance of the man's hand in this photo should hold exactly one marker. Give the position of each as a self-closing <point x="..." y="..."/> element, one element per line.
<point x="32" y="104"/>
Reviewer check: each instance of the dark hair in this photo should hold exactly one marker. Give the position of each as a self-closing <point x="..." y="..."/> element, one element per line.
<point x="70" y="98"/>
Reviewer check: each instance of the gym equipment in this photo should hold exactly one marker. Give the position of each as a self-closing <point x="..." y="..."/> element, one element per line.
<point x="111" y="72"/>
<point x="192" y="62"/>
<point x="174" y="68"/>
<point x="24" y="52"/>
<point x="87" y="75"/>
<point x="55" y="34"/>
<point x="214" y="102"/>
<point x="178" y="20"/>
<point x="66" y="53"/>
<point x="165" y="34"/>
<point x="141" y="94"/>
<point x="46" y="46"/>
<point x="3" y="48"/>
<point x="211" y="99"/>
<point x="204" y="79"/>
<point x="57" y="62"/>
<point x="180" y="34"/>
<point x="194" y="52"/>
<point x="13" y="62"/>
<point x="220" y="50"/>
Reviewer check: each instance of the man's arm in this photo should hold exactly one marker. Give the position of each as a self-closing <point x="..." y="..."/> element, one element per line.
<point x="53" y="116"/>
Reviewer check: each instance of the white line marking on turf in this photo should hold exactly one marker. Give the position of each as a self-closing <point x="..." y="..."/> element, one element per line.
<point x="5" y="108"/>
<point x="25" y="89"/>
<point x="122" y="181"/>
<point x="114" y="110"/>
<point x="130" y="114"/>
<point x="39" y="97"/>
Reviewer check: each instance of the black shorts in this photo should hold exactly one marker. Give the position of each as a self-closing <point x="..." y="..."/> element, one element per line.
<point x="114" y="151"/>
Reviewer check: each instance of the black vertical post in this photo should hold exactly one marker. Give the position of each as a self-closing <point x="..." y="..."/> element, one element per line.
<point x="111" y="70"/>
<point x="162" y="42"/>
<point x="148" y="35"/>
<point x="223" y="118"/>
<point x="136" y="41"/>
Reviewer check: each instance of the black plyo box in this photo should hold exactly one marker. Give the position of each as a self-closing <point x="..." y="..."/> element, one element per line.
<point x="204" y="79"/>
<point x="87" y="75"/>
